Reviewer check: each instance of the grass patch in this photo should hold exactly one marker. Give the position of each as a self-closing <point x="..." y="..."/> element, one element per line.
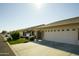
<point x="21" y="40"/>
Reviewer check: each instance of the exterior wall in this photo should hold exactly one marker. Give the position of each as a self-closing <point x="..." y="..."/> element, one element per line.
<point x="78" y="37"/>
<point x="64" y="36"/>
<point x="21" y="33"/>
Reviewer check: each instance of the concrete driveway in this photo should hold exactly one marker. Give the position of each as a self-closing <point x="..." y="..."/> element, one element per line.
<point x="33" y="49"/>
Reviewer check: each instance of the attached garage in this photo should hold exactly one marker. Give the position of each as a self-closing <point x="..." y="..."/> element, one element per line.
<point x="66" y="31"/>
<point x="64" y="36"/>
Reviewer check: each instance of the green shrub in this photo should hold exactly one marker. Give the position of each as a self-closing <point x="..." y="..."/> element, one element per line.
<point x="8" y="39"/>
<point x="15" y="35"/>
<point x="31" y="38"/>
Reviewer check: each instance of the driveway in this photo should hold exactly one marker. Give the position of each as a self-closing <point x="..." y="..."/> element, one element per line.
<point x="34" y="49"/>
<point x="62" y="46"/>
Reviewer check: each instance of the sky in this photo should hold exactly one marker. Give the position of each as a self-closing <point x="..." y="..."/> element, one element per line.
<point x="14" y="16"/>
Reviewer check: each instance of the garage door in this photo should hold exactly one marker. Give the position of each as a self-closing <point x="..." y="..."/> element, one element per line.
<point x="64" y="36"/>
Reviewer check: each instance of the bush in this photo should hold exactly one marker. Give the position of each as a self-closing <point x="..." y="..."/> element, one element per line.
<point x="15" y="35"/>
<point x="8" y="39"/>
<point x="31" y="38"/>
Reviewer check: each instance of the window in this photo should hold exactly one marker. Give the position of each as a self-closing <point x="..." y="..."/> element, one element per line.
<point x="6" y="35"/>
<point x="51" y="30"/>
<point x="73" y="29"/>
<point x="62" y="29"/>
<point x="67" y="29"/>
<point x="58" y="30"/>
<point x="48" y="30"/>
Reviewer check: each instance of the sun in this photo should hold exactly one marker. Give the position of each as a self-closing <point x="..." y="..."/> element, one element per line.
<point x="38" y="5"/>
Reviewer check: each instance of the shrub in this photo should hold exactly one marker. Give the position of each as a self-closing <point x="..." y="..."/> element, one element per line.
<point x="15" y="35"/>
<point x="8" y="39"/>
<point x="31" y="38"/>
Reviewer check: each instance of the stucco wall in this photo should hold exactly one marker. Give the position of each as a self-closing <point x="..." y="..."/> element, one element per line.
<point x="21" y="33"/>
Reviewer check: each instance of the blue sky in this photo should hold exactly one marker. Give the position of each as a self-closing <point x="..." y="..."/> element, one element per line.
<point x="18" y="16"/>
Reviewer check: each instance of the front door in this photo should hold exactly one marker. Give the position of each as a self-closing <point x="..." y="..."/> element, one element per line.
<point x="40" y="34"/>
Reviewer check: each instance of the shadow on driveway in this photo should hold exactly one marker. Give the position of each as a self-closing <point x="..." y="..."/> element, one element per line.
<point x="5" y="50"/>
<point x="62" y="46"/>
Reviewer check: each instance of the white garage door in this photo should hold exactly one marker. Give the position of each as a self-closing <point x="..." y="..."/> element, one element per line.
<point x="62" y="36"/>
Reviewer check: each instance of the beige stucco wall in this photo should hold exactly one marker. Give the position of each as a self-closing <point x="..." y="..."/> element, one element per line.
<point x="21" y="33"/>
<point x="65" y="36"/>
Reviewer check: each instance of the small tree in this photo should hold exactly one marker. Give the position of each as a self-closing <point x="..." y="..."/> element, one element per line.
<point x="15" y="35"/>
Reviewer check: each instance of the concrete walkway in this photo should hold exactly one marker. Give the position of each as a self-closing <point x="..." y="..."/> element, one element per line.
<point x="5" y="50"/>
<point x="33" y="49"/>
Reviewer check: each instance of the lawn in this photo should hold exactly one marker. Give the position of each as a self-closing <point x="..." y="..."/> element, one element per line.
<point x="21" y="40"/>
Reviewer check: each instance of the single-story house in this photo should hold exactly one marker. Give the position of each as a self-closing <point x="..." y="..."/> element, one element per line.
<point x="6" y="35"/>
<point x="65" y="31"/>
<point x="30" y="31"/>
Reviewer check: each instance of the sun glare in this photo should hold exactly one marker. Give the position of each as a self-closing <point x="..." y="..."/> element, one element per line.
<point x="38" y="5"/>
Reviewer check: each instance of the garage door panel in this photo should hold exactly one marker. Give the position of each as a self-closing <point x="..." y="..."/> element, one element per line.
<point x="63" y="36"/>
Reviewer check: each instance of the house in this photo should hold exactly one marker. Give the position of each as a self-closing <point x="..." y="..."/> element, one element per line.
<point x="65" y="31"/>
<point x="31" y="31"/>
<point x="6" y="35"/>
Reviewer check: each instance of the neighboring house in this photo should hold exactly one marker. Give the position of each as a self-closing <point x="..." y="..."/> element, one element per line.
<point x="65" y="31"/>
<point x="6" y="35"/>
